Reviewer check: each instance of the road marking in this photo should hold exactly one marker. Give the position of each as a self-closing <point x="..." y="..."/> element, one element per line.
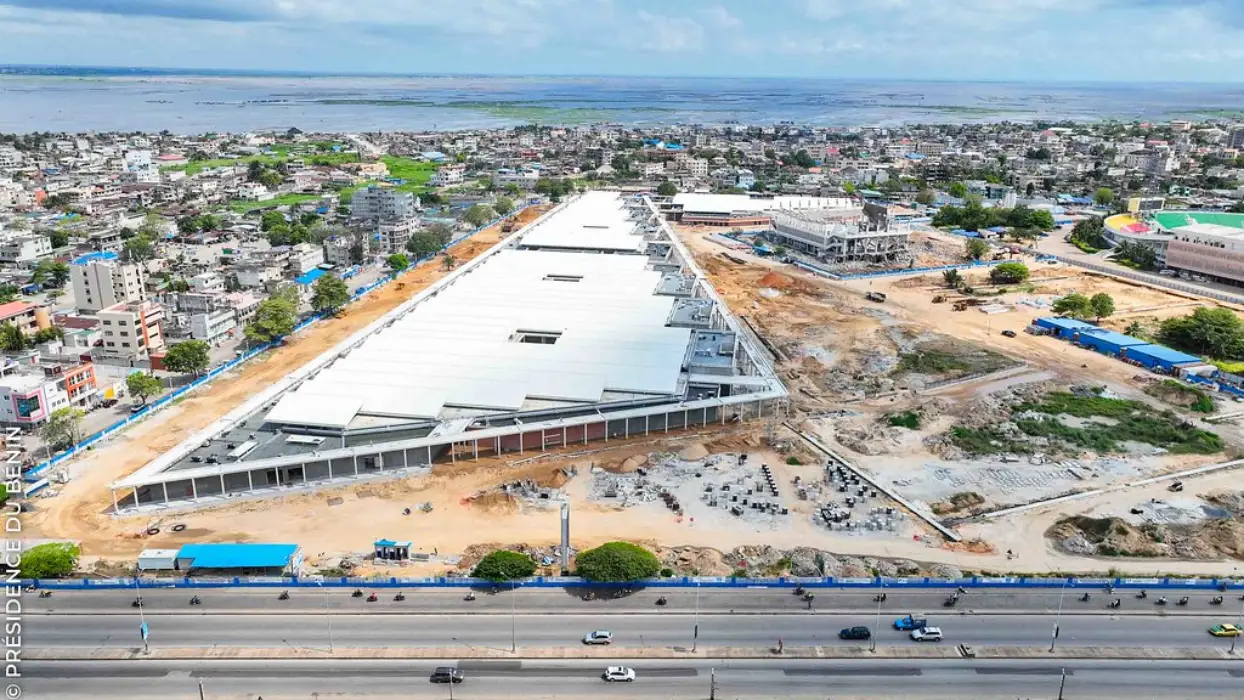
<point x="900" y="671"/>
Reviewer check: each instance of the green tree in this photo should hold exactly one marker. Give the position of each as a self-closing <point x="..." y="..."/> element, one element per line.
<point x="957" y="190"/>
<point x="1104" y="196"/>
<point x="1102" y="305"/>
<point x="926" y="197"/>
<point x="12" y="339"/>
<point x="1074" y="306"/>
<point x="1089" y="232"/>
<point x="50" y="560"/>
<point x="397" y="262"/>
<point x="143" y="386"/>
<point x="975" y="248"/>
<point x="59" y="238"/>
<point x="9" y="292"/>
<point x="139" y="248"/>
<point x="1009" y="273"/>
<point x="617" y="562"/>
<point x="448" y="262"/>
<point x="63" y="428"/>
<point x="44" y="335"/>
<point x="478" y="215"/>
<point x="503" y="206"/>
<point x="848" y="188"/>
<point x="270" y="219"/>
<point x="271" y="179"/>
<point x="188" y="357"/>
<point x="276" y="316"/>
<point x="329" y="294"/>
<point x="426" y="242"/>
<point x="667" y="189"/>
<point x="952" y="278"/>
<point x="804" y="159"/>
<point x="50" y="273"/>
<point x="1218" y="333"/>
<point x="503" y="565"/>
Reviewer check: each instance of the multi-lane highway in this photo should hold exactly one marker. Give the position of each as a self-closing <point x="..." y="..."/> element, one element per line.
<point x="681" y="679"/>
<point x="646" y="630"/>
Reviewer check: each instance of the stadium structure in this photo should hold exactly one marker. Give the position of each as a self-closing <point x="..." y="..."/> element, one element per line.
<point x="592" y="323"/>
<point x="1207" y="244"/>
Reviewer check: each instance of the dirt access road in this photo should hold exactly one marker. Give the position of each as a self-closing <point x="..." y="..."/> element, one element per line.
<point x="79" y="511"/>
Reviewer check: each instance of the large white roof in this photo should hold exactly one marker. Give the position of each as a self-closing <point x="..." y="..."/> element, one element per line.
<point x="597" y="221"/>
<point x="461" y="348"/>
<point x="729" y="203"/>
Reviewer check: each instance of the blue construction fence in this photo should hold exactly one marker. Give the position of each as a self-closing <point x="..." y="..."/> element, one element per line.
<point x="1015" y="582"/>
<point x="34" y="474"/>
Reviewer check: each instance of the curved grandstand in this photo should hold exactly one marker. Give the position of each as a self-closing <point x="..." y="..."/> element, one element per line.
<point x="1203" y="243"/>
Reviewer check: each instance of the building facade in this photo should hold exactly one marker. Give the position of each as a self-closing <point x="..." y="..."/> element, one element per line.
<point x="132" y="330"/>
<point x="99" y="284"/>
<point x="378" y="203"/>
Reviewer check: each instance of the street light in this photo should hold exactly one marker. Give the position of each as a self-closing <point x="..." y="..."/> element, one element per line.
<point x="872" y="645"/>
<point x="142" y="621"/>
<point x="1054" y="634"/>
<point x="1238" y="624"/>
<point x="328" y="614"/>
<point x="695" y="637"/>
<point x="513" y="614"/>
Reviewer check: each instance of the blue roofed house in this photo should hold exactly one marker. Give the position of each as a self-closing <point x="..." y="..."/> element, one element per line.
<point x="240" y="559"/>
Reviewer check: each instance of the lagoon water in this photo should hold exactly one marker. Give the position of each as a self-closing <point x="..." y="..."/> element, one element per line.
<point x="185" y="103"/>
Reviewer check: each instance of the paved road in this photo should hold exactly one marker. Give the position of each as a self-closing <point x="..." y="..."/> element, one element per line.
<point x="640" y="630"/>
<point x="570" y="601"/>
<point x="741" y="680"/>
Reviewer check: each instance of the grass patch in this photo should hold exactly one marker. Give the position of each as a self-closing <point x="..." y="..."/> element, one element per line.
<point x="415" y="173"/>
<point x="931" y="362"/>
<point x="1136" y="422"/>
<point x="1084" y="247"/>
<point x="1229" y="366"/>
<point x="984" y="441"/>
<point x="907" y="419"/>
<point x="794" y="461"/>
<point x="244" y="206"/>
<point x="1184" y="395"/>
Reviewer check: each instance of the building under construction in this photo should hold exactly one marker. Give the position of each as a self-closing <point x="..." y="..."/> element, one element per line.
<point x="842" y="235"/>
<point x="592" y="323"/>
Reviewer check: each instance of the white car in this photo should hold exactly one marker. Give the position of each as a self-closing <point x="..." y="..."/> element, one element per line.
<point x="598" y="637"/>
<point x="619" y="674"/>
<point x="927" y="634"/>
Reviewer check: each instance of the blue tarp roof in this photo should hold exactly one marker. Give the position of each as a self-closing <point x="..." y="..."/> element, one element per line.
<point x="102" y="255"/>
<point x="1161" y="352"/>
<point x="1117" y="339"/>
<point x="238" y="556"/>
<point x="1067" y="323"/>
<point x="391" y="543"/>
<point x="310" y="277"/>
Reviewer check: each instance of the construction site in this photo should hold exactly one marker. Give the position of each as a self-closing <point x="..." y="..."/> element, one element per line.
<point x="909" y="435"/>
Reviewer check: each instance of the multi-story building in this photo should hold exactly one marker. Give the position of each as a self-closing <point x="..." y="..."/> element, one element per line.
<point x="132" y="330"/>
<point x="27" y="317"/>
<point x="10" y="159"/>
<point x="1234" y="140"/>
<point x="22" y="248"/>
<point x="213" y="326"/>
<point x="452" y="174"/>
<point x="697" y="167"/>
<point x="378" y="203"/>
<point x="525" y="179"/>
<point x="304" y="257"/>
<point x="207" y="283"/>
<point x="100" y="284"/>
<point x="392" y="236"/>
<point x="28" y="398"/>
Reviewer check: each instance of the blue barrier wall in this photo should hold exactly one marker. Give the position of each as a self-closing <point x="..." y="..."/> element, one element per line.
<point x="35" y="473"/>
<point x="1018" y="582"/>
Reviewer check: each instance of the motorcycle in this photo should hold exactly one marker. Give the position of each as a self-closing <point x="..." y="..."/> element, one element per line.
<point x="879" y="598"/>
<point x="1115" y="603"/>
<point x="470" y="596"/>
<point x="357" y="593"/>
<point x="45" y="594"/>
<point x="950" y="602"/>
<point x="284" y="595"/>
<point x="1142" y="595"/>
<point x="1160" y="601"/>
<point x="373" y="598"/>
<point x="808" y="597"/>
<point x="136" y="603"/>
<point x="1182" y="601"/>
<point x="1085" y="598"/>
<point x="798" y="590"/>
<point x="1216" y="600"/>
<point x="399" y="597"/>
<point x="194" y="600"/>
<point x="661" y="600"/>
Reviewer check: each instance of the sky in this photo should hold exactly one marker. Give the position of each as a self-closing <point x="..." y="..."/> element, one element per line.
<point x="1030" y="40"/>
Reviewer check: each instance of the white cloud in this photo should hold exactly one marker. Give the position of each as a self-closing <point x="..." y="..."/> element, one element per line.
<point x="668" y="34"/>
<point x="721" y="17"/>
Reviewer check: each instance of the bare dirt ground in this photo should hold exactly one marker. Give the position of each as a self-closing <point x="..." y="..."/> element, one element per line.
<point x="849" y="363"/>
<point x="78" y="511"/>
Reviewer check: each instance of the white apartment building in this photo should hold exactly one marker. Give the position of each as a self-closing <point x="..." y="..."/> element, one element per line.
<point x="213" y="326"/>
<point x="10" y="159"/>
<point x="305" y="257"/>
<point x="697" y="167"/>
<point x="23" y="248"/>
<point x="383" y="204"/>
<point x="392" y="236"/>
<point x="255" y="192"/>
<point x="525" y="179"/>
<point x="132" y="330"/>
<point x="207" y="283"/>
<point x="100" y="284"/>
<point x="452" y="174"/>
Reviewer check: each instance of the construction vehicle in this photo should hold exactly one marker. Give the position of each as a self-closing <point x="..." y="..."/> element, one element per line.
<point x="875" y="296"/>
<point x="939" y="299"/>
<point x="507" y="227"/>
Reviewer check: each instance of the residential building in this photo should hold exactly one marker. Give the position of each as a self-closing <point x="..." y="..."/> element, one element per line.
<point x="10" y="159"/>
<point x="254" y="192"/>
<point x="132" y="330"/>
<point x="525" y="179"/>
<point x="1235" y="140"/>
<point x="213" y="326"/>
<point x="28" y="396"/>
<point x="257" y="275"/>
<point x="207" y="283"/>
<point x="23" y="248"/>
<point x="392" y="236"/>
<point x="99" y="284"/>
<point x="27" y="317"/>
<point x="304" y="257"/>
<point x="697" y="167"/>
<point x="376" y="203"/>
<point x="452" y="174"/>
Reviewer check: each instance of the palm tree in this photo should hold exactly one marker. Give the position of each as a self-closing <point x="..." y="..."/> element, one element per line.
<point x="952" y="278"/>
<point x="448" y="262"/>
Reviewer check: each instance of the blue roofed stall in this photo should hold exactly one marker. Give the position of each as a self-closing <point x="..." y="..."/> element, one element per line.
<point x="239" y="559"/>
<point x="1160" y="357"/>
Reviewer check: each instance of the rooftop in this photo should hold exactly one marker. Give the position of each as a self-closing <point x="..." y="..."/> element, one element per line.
<point x="1213" y="223"/>
<point x="238" y="556"/>
<point x="14" y="308"/>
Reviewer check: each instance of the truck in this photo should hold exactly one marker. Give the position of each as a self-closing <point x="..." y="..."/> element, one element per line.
<point x="875" y="296"/>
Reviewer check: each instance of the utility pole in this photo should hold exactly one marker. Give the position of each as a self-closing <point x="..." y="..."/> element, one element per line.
<point x="142" y="621"/>
<point x="1058" y="617"/>
<point x="695" y="636"/>
<point x="1239" y="624"/>
<point x="1062" y="682"/>
<point x="201" y="689"/>
<point x="328" y="614"/>
<point x="872" y="645"/>
<point x="712" y="684"/>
